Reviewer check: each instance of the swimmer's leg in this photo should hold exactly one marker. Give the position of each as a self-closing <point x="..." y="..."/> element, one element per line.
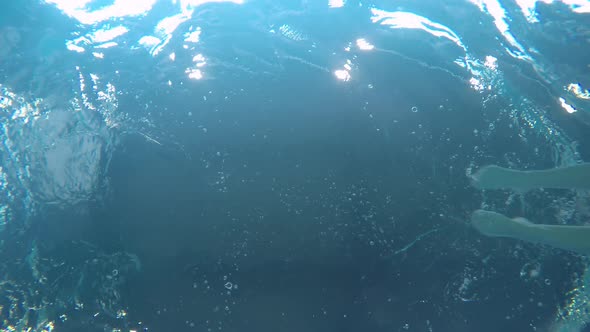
<point x="572" y="238"/>
<point x="496" y="177"/>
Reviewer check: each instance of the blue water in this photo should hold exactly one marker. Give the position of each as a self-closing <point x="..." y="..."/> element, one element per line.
<point x="287" y="166"/>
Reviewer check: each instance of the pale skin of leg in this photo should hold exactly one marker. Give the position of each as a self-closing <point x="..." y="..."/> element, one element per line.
<point x="496" y="177"/>
<point x="572" y="238"/>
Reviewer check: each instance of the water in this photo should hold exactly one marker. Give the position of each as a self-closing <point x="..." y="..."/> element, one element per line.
<point x="292" y="166"/>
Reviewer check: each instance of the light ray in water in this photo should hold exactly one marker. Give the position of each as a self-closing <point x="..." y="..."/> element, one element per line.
<point x="418" y="238"/>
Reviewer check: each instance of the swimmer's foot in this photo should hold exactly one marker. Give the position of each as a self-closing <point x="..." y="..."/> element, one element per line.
<point x="496" y="177"/>
<point x="572" y="238"/>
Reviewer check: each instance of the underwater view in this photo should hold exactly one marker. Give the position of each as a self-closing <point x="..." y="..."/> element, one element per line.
<point x="295" y="165"/>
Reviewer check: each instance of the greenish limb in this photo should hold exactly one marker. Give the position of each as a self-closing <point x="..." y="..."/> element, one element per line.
<point x="572" y="238"/>
<point x="496" y="177"/>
